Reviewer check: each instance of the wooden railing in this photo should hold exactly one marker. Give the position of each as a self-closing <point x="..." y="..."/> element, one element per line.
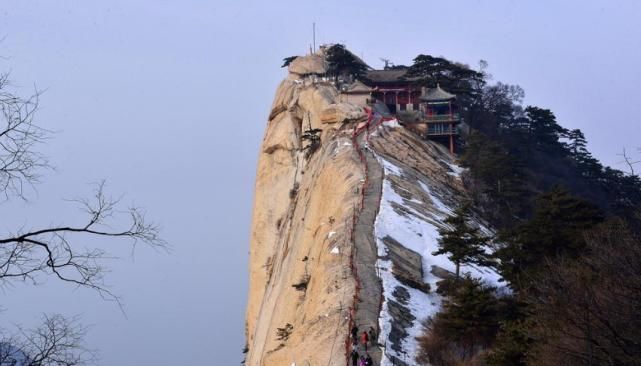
<point x="441" y="131"/>
<point x="442" y="117"/>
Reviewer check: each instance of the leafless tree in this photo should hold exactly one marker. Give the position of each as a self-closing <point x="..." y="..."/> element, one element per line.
<point x="20" y="163"/>
<point x="58" y="341"/>
<point x="25" y="255"/>
<point x="587" y="311"/>
<point x="629" y="161"/>
<point x="59" y="251"/>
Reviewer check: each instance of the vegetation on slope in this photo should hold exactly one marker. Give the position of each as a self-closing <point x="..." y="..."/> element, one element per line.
<point x="568" y="233"/>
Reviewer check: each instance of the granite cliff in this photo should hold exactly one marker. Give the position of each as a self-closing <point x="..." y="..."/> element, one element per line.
<point x="347" y="208"/>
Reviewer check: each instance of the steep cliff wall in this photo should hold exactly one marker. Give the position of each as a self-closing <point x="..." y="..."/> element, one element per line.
<point x="303" y="216"/>
<point x="344" y="236"/>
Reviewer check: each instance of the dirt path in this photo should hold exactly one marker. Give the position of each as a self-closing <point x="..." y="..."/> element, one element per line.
<point x="366" y="253"/>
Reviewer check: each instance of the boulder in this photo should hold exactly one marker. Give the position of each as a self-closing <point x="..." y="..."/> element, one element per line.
<point x="441" y="272"/>
<point x="407" y="264"/>
<point x="342" y="112"/>
<point x="310" y="64"/>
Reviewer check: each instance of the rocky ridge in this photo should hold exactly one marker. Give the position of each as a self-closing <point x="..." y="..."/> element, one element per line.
<point x="332" y="245"/>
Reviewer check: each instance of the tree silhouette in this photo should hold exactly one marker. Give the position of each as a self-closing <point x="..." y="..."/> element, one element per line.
<point x="463" y="243"/>
<point x="56" y="251"/>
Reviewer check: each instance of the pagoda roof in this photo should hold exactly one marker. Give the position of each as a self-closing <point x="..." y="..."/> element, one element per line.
<point x="357" y="87"/>
<point x="437" y="94"/>
<point x="386" y="76"/>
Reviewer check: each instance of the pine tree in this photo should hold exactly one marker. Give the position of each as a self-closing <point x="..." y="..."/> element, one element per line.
<point x="454" y="77"/>
<point x="499" y="171"/>
<point x="340" y="61"/>
<point x="543" y="127"/>
<point x="467" y="323"/>
<point x="288" y="60"/>
<point x="578" y="144"/>
<point x="556" y="229"/>
<point x="512" y="345"/>
<point x="471" y="312"/>
<point x="462" y="242"/>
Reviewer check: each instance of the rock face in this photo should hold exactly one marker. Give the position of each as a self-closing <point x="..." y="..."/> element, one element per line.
<point x="306" y="65"/>
<point x="300" y="240"/>
<point x="343" y="234"/>
<point x="407" y="265"/>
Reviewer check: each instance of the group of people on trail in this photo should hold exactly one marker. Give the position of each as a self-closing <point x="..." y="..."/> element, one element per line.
<point x="362" y="360"/>
<point x="366" y="338"/>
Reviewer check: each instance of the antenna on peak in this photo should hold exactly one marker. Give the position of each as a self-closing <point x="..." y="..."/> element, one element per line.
<point x="314" y="35"/>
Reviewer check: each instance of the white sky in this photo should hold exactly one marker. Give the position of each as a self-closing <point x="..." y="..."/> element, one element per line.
<point x="167" y="100"/>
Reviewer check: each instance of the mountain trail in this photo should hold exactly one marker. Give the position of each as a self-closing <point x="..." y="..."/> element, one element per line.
<point x="365" y="252"/>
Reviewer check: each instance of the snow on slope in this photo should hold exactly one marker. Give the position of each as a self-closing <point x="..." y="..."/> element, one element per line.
<point x="417" y="231"/>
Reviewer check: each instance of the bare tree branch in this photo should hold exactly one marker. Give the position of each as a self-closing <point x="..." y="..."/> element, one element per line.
<point x="629" y="161"/>
<point x="20" y="163"/>
<point x="58" y="341"/>
<point x="50" y="251"/>
<point x="62" y="251"/>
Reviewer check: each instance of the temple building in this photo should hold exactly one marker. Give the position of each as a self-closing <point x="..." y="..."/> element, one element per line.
<point x="393" y="89"/>
<point x="356" y="93"/>
<point x="431" y="113"/>
<point x="441" y="116"/>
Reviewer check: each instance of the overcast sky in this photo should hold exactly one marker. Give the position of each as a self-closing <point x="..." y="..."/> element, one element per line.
<point x="167" y="100"/>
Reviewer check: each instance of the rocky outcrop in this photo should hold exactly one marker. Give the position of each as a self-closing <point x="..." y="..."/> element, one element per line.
<point x="308" y="65"/>
<point x="407" y="265"/>
<point x="301" y="287"/>
<point x="342" y="113"/>
<point x="342" y="234"/>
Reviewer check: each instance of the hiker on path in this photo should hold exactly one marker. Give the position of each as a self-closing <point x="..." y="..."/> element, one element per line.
<point x="354" y="356"/>
<point x="354" y="334"/>
<point x="369" y="361"/>
<point x="372" y="336"/>
<point x="365" y="339"/>
<point x="361" y="362"/>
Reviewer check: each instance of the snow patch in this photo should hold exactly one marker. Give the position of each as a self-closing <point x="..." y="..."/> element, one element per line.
<point x="435" y="200"/>
<point x="418" y="233"/>
<point x="456" y="170"/>
<point x="393" y="123"/>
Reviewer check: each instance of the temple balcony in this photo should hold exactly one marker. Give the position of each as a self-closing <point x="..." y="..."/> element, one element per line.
<point x="447" y="132"/>
<point x="454" y="117"/>
<point x="441" y="129"/>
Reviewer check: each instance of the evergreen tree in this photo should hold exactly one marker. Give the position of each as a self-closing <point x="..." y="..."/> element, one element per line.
<point x="288" y="60"/>
<point x="492" y="163"/>
<point x="623" y="191"/>
<point x="554" y="230"/>
<point x="342" y="61"/>
<point x="512" y="345"/>
<point x="577" y="144"/>
<point x="453" y="77"/>
<point x="503" y="102"/>
<point x="500" y="174"/>
<point x="313" y="138"/>
<point x="543" y="127"/>
<point x="467" y="324"/>
<point x="470" y="314"/>
<point x="462" y="242"/>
